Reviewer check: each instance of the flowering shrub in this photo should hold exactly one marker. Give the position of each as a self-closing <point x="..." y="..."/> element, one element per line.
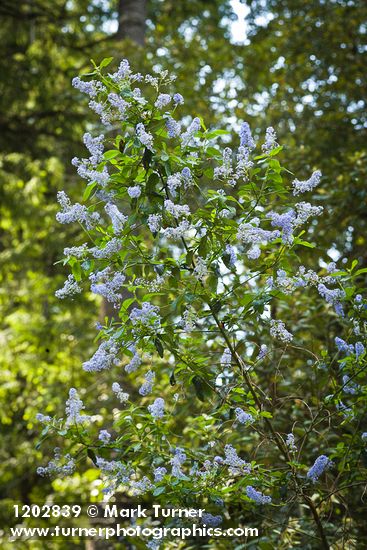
<point x="233" y="403"/>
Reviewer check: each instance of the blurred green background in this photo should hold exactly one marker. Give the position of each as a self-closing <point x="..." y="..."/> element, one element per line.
<point x="298" y="65"/>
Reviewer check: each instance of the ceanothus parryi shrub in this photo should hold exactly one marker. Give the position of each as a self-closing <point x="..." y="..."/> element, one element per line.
<point x="198" y="247"/>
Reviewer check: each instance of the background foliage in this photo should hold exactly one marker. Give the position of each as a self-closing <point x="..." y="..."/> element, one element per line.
<point x="298" y="68"/>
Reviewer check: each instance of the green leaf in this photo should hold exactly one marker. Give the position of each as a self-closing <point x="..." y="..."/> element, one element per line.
<point x="305" y="243"/>
<point x="153" y="180"/>
<point x="215" y="133"/>
<point x="88" y="191"/>
<point x="203" y="247"/>
<point x="354" y="264"/>
<point x="213" y="152"/>
<point x="105" y="62"/>
<point x="199" y="388"/>
<point x="275" y="151"/>
<point x="213" y="283"/>
<point x="127" y="303"/>
<point x="43" y="437"/>
<point x="147" y="158"/>
<point x="158" y="491"/>
<point x="87" y="266"/>
<point x="275" y="165"/>
<point x="159" y="346"/>
<point x="113" y="153"/>
<point x="77" y="271"/>
<point x="176" y="273"/>
<point x="92" y="455"/>
<point x="164" y="156"/>
<point x="189" y="257"/>
<point x="202" y="122"/>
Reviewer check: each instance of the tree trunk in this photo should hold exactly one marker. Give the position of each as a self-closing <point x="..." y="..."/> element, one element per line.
<point x="131" y="24"/>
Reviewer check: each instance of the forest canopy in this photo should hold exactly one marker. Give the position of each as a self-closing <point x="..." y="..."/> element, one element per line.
<point x="270" y="294"/>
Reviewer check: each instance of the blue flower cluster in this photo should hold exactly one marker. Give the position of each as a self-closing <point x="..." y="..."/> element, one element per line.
<point x="321" y="464"/>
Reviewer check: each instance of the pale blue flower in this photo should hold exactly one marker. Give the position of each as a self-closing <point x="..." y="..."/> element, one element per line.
<point x="307" y="185"/>
<point x="157" y="408"/>
<point x="178" y="99"/>
<point x="320" y="465"/>
<point x="246" y="139"/>
<point x="104" y="436"/>
<point x="257" y="496"/>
